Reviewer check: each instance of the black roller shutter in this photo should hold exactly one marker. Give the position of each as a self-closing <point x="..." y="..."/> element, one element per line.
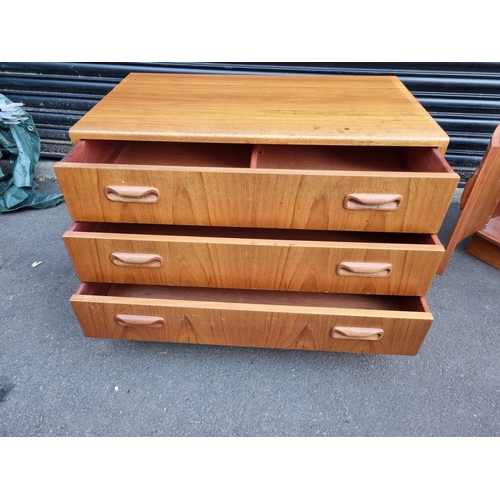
<point x="464" y="98"/>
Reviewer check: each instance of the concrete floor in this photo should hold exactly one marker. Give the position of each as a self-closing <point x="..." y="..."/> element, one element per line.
<point x="56" y="382"/>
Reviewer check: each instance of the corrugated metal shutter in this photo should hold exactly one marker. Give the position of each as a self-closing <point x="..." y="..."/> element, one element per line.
<point x="464" y="98"/>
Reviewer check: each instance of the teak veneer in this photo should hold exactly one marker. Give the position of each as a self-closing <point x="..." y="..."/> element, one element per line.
<point x="263" y="211"/>
<point x="480" y="210"/>
<point x="329" y="322"/>
<point x="296" y="187"/>
<point x="376" y="263"/>
<point x="328" y="110"/>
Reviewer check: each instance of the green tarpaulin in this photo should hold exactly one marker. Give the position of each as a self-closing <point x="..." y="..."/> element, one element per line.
<point x="19" y="137"/>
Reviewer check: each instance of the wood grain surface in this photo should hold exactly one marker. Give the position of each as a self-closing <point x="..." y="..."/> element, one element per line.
<point x="261" y="322"/>
<point x="300" y="197"/>
<point x="255" y="263"/>
<point x="485" y="244"/>
<point x="331" y="110"/>
<point x="480" y="199"/>
<point x="303" y="154"/>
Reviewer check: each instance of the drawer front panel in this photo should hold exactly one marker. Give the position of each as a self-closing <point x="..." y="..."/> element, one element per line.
<point x="252" y="325"/>
<point x="312" y="266"/>
<point x="393" y="201"/>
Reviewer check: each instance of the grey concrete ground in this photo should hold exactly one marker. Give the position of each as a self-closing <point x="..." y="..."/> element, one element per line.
<point x="55" y="382"/>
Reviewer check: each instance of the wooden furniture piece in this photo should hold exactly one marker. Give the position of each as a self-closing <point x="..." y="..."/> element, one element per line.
<point x="263" y="211"/>
<point x="480" y="210"/>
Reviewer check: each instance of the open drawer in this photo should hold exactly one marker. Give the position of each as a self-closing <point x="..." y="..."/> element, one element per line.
<point x="358" y="188"/>
<point x="287" y="320"/>
<point x="268" y="259"/>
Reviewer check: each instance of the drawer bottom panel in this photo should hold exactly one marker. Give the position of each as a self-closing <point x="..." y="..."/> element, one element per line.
<point x="251" y="318"/>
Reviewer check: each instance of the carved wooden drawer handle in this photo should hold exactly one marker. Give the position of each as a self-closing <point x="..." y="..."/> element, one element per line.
<point x="132" y="194"/>
<point x="143" y="321"/>
<point x="355" y="333"/>
<point x="368" y="201"/>
<point x="136" y="259"/>
<point x="364" y="269"/>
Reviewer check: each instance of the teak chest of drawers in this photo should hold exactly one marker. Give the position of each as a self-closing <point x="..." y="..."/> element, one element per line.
<point x="263" y="211"/>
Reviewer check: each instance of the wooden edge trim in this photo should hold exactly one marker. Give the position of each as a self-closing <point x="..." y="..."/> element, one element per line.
<point x="420" y="315"/>
<point x="495" y="139"/>
<point x="264" y="242"/>
<point x="437" y="242"/>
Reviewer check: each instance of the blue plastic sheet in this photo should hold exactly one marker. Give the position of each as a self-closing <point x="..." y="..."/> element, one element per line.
<point x="19" y="137"/>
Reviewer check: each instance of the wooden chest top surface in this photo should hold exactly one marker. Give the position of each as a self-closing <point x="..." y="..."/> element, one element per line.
<point x="326" y="110"/>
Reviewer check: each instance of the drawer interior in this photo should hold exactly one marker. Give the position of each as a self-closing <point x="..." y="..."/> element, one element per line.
<point x="291" y="157"/>
<point x="161" y="153"/>
<point x="291" y="235"/>
<point x="363" y="158"/>
<point x="257" y="297"/>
